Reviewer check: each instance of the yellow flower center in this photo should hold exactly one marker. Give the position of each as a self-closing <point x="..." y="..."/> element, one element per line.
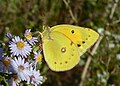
<point x="20" y="45"/>
<point x="6" y="62"/>
<point x="20" y="68"/>
<point x="31" y="77"/>
<point x="29" y="36"/>
<point x="15" y="78"/>
<point x="39" y="57"/>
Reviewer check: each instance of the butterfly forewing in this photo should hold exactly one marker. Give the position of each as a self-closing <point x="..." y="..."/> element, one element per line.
<point x="82" y="37"/>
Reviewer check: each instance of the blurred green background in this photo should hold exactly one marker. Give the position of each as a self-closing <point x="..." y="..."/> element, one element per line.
<point x="100" y="15"/>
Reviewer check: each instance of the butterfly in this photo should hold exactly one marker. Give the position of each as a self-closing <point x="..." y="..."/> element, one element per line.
<point x="64" y="44"/>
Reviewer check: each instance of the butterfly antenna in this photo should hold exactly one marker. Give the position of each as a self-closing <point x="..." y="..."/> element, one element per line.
<point x="40" y="33"/>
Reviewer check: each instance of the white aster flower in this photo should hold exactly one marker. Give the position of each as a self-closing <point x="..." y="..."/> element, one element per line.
<point x="34" y="77"/>
<point x="6" y="61"/>
<point x="21" y="68"/>
<point x="19" y="47"/>
<point x="14" y="81"/>
<point x="38" y="57"/>
<point x="5" y="64"/>
<point x="30" y="39"/>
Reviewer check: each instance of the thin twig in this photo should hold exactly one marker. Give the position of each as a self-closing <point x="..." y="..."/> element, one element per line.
<point x="89" y="60"/>
<point x="70" y="11"/>
<point x="113" y="9"/>
<point x="116" y="21"/>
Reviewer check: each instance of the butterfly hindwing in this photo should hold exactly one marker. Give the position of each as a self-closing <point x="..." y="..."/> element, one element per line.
<point x="60" y="52"/>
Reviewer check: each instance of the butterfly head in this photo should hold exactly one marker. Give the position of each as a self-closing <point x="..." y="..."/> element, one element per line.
<point x="46" y="33"/>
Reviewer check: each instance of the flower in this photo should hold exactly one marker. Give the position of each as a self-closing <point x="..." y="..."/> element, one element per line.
<point x="30" y="39"/>
<point x="5" y="64"/>
<point x="6" y="61"/>
<point x="38" y="56"/>
<point x="1" y="50"/>
<point x="2" y="67"/>
<point x="21" y="67"/>
<point x="9" y="36"/>
<point x="19" y="47"/>
<point x="34" y="77"/>
<point x="14" y="81"/>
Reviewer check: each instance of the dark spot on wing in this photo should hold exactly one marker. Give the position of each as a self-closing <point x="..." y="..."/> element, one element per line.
<point x="78" y="45"/>
<point x="66" y="62"/>
<point x="71" y="43"/>
<point x="72" y="31"/>
<point x="83" y="42"/>
<point x="63" y="50"/>
<point x="72" y="54"/>
<point x="89" y="36"/>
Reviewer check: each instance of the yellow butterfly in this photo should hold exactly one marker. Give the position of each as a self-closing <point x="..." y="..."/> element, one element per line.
<point x="64" y="44"/>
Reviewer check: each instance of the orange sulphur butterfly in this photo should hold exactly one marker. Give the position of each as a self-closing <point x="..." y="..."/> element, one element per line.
<point x="64" y="44"/>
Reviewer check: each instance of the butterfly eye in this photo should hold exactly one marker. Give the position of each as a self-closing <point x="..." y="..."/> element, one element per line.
<point x="63" y="50"/>
<point x="55" y="63"/>
<point x="72" y="31"/>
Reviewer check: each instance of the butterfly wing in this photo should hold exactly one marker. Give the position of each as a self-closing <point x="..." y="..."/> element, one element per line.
<point x="59" y="51"/>
<point x="82" y="37"/>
